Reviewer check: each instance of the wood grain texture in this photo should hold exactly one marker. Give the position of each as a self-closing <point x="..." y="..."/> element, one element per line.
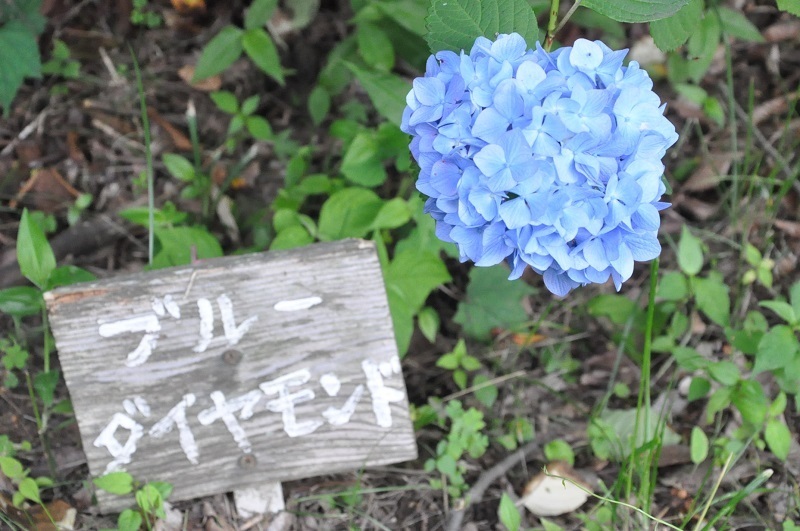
<point x="335" y="335"/>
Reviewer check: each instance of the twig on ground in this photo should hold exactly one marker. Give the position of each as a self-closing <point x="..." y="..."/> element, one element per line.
<point x="475" y="494"/>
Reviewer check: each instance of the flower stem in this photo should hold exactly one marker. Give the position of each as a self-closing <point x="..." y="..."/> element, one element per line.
<point x="554" y="25"/>
<point x="551" y="24"/>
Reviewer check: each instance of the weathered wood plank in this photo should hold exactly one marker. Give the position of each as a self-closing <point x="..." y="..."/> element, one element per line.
<point x="301" y="379"/>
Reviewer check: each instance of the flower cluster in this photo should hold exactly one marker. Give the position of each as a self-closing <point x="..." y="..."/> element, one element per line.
<point x="547" y="160"/>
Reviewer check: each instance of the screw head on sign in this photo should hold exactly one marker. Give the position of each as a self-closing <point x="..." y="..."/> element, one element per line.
<point x="232" y="357"/>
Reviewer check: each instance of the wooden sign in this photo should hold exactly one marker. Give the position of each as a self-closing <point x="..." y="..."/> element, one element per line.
<point x="237" y="371"/>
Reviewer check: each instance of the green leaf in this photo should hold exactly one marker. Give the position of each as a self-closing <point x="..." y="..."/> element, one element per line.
<point x="702" y="46"/>
<point x="319" y="104"/>
<point x="259" y="47"/>
<point x="428" y="322"/>
<point x="409" y="15"/>
<point x="176" y="245"/>
<point x="393" y="214"/>
<point x="492" y="301"/>
<point x="375" y="47"/>
<point x="559" y="450"/>
<point x="750" y="400"/>
<point x="291" y="237"/>
<point x="794" y="297"/>
<point x="119" y="483"/>
<point x="348" y="213"/>
<point x="129" y="520"/>
<point x="34" y="254"/>
<point x="783" y="309"/>
<point x="776" y="349"/>
<point x="412" y="276"/>
<point x="485" y="394"/>
<point x="670" y="32"/>
<point x="725" y="372"/>
<point x="636" y="10"/>
<point x="11" y="467"/>
<point x="778" y="406"/>
<point x="361" y="163"/>
<point x="689" y="359"/>
<point x="690" y="253"/>
<point x="21" y="301"/>
<point x="778" y="438"/>
<point x="698" y="445"/>
<point x="259" y="127"/>
<point x="225" y="101"/>
<point x="790" y="6"/>
<point x="711" y="295"/>
<point x="30" y="490"/>
<point x="258" y="13"/>
<point x="250" y="105"/>
<point x="387" y="91"/>
<point x="455" y="24"/>
<point x="735" y="24"/>
<point x="508" y="513"/>
<point x="68" y="275"/>
<point x="19" y="55"/>
<point x="448" y="361"/>
<point x="219" y="53"/>
<point x="673" y="287"/>
<point x="45" y="384"/>
<point x="618" y="308"/>
<point x="614" y="435"/>
<point x="179" y="167"/>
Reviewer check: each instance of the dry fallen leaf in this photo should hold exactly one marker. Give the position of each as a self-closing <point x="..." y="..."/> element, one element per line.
<point x="709" y="174"/>
<point x="210" y="84"/>
<point x="545" y="495"/>
<point x="49" y="190"/>
<point x="62" y="513"/>
<point x="179" y="140"/>
<point x="189" y="6"/>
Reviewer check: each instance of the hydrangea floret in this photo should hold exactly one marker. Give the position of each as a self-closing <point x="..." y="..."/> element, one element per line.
<point x="547" y="160"/>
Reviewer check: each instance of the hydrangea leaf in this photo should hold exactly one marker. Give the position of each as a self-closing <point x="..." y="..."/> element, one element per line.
<point x="671" y="32"/>
<point x="454" y="24"/>
<point x="491" y="302"/>
<point x="387" y="91"/>
<point x="735" y="24"/>
<point x="636" y="10"/>
<point x="19" y="55"/>
<point x="410" y="278"/>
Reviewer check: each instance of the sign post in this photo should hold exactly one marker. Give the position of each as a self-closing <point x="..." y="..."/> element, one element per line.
<point x="235" y="372"/>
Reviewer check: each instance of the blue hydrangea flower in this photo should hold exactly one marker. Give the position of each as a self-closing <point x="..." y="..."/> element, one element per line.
<point x="544" y="160"/>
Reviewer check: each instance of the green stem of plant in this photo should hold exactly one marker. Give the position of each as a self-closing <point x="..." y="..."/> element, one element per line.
<point x="151" y="206"/>
<point x="551" y="24"/>
<point x="47" y="347"/>
<point x="643" y="406"/>
<point x="40" y="428"/>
